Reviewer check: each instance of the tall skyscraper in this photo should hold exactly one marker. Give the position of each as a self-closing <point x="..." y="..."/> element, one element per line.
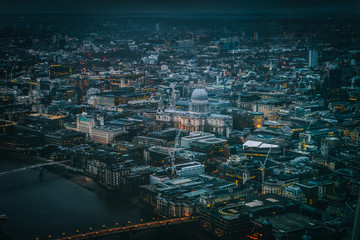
<point x="313" y="58"/>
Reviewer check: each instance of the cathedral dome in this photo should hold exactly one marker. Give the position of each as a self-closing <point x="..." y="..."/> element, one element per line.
<point x="199" y="103"/>
<point x="199" y="94"/>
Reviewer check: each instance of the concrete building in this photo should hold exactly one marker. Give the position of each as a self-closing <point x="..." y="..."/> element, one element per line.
<point x="94" y="126"/>
<point x="189" y="169"/>
<point x="181" y="197"/>
<point x="313" y="58"/>
<point x="272" y="186"/>
<point x="186" y="141"/>
<point x="295" y="193"/>
<point x="105" y="134"/>
<point x="269" y="107"/>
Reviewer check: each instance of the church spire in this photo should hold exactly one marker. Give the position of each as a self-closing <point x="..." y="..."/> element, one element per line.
<point x="160" y="105"/>
<point x="173" y="98"/>
<point x="239" y="101"/>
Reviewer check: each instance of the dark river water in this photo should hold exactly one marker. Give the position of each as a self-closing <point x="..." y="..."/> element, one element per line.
<point x="55" y="205"/>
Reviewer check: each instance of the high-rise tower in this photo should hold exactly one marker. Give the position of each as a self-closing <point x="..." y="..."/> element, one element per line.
<point x="313" y="58"/>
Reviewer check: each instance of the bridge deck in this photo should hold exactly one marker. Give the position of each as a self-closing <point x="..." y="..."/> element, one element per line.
<point x="140" y="226"/>
<point x="38" y="165"/>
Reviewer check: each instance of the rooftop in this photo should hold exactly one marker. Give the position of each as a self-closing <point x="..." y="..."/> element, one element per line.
<point x="290" y="222"/>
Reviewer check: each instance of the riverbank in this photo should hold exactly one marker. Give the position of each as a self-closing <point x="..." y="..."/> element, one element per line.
<point x="77" y="202"/>
<point x="133" y="198"/>
<point x="37" y="208"/>
<point x="82" y="180"/>
<point x="74" y="177"/>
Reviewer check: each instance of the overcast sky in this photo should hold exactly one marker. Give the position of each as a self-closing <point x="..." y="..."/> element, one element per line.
<point x="121" y="6"/>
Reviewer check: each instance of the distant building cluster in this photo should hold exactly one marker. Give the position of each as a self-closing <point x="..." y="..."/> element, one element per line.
<point x="255" y="132"/>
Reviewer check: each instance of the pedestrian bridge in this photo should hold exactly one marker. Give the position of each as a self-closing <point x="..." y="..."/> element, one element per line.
<point x="130" y="228"/>
<point x="38" y="165"/>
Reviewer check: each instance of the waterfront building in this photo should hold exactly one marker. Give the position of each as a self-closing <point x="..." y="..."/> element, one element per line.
<point x="181" y="197"/>
<point x="114" y="177"/>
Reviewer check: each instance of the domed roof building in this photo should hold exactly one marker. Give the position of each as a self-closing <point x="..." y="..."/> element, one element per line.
<point x="198" y="116"/>
<point x="199" y="95"/>
<point x="199" y="102"/>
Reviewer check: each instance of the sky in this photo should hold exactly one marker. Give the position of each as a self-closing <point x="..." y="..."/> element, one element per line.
<point x="153" y="6"/>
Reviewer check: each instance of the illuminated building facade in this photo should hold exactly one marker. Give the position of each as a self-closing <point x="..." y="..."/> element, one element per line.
<point x="181" y="197"/>
<point x="94" y="126"/>
<point x="271" y="186"/>
<point x="258" y="118"/>
<point x="269" y="107"/>
<point x="198" y="118"/>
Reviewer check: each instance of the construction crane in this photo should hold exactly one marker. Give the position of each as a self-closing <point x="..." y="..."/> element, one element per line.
<point x="353" y="80"/>
<point x="298" y="87"/>
<point x="322" y="79"/>
<point x="309" y="126"/>
<point x="262" y="168"/>
<point x="172" y="151"/>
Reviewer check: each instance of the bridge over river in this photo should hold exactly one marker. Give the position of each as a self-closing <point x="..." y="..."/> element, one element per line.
<point x="38" y="165"/>
<point x="130" y="228"/>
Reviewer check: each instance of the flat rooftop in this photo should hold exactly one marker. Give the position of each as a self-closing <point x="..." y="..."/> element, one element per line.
<point x="290" y="222"/>
<point x="257" y="144"/>
<point x="212" y="140"/>
<point x="187" y="165"/>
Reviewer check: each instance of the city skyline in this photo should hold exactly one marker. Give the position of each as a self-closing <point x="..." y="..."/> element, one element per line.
<point x="184" y="6"/>
<point x="180" y="120"/>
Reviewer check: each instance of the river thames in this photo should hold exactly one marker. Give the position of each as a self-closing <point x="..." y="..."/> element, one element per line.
<point x="56" y="205"/>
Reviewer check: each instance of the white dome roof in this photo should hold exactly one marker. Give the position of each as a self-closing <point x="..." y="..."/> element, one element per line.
<point x="199" y="94"/>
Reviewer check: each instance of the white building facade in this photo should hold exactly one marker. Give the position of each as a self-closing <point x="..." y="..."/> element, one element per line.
<point x="198" y="118"/>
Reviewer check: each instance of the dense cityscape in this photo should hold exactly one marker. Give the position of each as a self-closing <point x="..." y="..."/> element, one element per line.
<point x="182" y="127"/>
